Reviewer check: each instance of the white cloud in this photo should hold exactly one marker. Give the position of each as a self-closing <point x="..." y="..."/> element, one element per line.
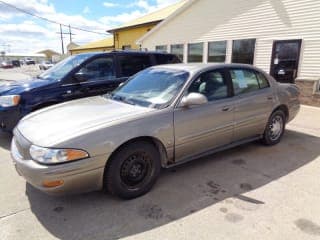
<point x="86" y="10"/>
<point x="36" y="35"/>
<point x="143" y="8"/>
<point x="110" y="4"/>
<point x="119" y="19"/>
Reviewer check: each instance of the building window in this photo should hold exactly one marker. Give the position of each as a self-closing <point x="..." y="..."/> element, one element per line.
<point x="217" y="51"/>
<point x="177" y="49"/>
<point x="195" y="52"/>
<point x="126" y="47"/>
<point x="243" y="51"/>
<point x="161" y="48"/>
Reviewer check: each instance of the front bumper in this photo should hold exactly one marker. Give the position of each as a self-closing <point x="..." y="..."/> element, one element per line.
<point x="79" y="176"/>
<point x="9" y="117"/>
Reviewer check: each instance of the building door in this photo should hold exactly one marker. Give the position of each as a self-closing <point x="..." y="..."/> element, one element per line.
<point x="285" y="60"/>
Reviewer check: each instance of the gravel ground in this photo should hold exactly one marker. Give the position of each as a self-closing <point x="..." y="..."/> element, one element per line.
<point x="25" y="71"/>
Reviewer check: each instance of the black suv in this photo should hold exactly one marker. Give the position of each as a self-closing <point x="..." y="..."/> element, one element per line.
<point x="75" y="77"/>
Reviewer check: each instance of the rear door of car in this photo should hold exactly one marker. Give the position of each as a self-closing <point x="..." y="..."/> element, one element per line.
<point x="204" y="127"/>
<point x="253" y="102"/>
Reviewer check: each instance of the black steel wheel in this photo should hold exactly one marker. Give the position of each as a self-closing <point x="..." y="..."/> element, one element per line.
<point x="132" y="170"/>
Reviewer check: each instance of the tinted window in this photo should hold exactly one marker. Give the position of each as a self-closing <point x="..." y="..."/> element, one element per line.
<point x="99" y="69"/>
<point x="263" y="82"/>
<point x="162" y="48"/>
<point x="177" y="49"/>
<point x="195" y="52"/>
<point x="211" y="84"/>
<point x="166" y="59"/>
<point x="217" y="51"/>
<point x="131" y="64"/>
<point x="243" y="81"/>
<point x="243" y="51"/>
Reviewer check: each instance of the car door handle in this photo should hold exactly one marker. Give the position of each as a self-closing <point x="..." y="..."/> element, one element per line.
<point x="270" y="98"/>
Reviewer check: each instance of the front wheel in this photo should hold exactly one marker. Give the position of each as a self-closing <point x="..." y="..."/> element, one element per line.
<point x="133" y="170"/>
<point x="275" y="128"/>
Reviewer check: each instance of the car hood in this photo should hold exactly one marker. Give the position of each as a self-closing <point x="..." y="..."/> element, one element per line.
<point x="53" y="125"/>
<point x="16" y="87"/>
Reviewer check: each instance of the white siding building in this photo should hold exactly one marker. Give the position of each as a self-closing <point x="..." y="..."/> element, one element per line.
<point x="280" y="36"/>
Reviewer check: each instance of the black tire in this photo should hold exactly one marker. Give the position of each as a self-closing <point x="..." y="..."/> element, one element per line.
<point x="132" y="170"/>
<point x="275" y="128"/>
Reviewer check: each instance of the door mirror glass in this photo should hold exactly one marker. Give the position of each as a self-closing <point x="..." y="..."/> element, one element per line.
<point x="81" y="77"/>
<point x="193" y="99"/>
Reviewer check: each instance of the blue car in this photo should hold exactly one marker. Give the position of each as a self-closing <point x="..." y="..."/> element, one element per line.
<point x="75" y="77"/>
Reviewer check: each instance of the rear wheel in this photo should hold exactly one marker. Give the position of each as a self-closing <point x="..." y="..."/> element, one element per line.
<point x="133" y="170"/>
<point x="275" y="128"/>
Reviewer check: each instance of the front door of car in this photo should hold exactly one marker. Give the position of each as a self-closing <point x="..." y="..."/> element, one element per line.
<point x="254" y="101"/>
<point x="200" y="128"/>
<point x="94" y="78"/>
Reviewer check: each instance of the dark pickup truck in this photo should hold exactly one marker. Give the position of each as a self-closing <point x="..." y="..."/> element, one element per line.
<point x="75" y="77"/>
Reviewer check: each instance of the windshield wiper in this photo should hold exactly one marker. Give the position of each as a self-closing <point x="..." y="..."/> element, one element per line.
<point x="121" y="99"/>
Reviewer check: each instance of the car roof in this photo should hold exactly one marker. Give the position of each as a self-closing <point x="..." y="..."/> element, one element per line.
<point x="196" y="67"/>
<point x="129" y="52"/>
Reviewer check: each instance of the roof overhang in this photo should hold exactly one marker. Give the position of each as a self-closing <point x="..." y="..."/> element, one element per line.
<point x="134" y="26"/>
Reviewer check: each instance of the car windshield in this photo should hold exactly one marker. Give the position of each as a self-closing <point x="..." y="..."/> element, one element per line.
<point x="62" y="68"/>
<point x="153" y="87"/>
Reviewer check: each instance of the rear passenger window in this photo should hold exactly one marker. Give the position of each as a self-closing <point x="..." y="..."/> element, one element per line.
<point x="166" y="59"/>
<point x="244" y="81"/>
<point x="131" y="64"/>
<point x="263" y="82"/>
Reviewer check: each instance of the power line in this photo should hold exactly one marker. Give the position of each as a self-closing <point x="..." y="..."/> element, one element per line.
<point x="48" y="20"/>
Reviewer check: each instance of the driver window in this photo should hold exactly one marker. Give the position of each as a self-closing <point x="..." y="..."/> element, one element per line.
<point x="211" y="84"/>
<point x="99" y="69"/>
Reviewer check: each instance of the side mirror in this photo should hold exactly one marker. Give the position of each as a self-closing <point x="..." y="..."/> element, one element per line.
<point x="81" y="77"/>
<point x="193" y="99"/>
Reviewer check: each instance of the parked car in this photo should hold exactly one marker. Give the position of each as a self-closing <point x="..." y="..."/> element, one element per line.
<point x="30" y="61"/>
<point x="16" y="63"/>
<point x="45" y="65"/>
<point x="78" y="76"/>
<point x="164" y="116"/>
<point x="6" y="65"/>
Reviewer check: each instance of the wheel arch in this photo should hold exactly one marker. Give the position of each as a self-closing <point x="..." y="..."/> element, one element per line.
<point x="155" y="141"/>
<point x="283" y="108"/>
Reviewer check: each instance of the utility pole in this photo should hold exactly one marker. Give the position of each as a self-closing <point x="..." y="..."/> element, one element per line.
<point x="63" y="33"/>
<point x="61" y="39"/>
<point x="70" y="34"/>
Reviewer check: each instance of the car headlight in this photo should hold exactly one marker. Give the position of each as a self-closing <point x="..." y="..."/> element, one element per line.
<point x="54" y="156"/>
<point x="9" y="100"/>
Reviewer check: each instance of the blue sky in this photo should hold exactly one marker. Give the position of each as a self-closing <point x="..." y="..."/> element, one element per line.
<point x="21" y="33"/>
